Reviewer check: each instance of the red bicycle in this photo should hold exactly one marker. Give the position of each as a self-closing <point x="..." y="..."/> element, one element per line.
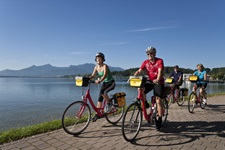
<point x="194" y="98"/>
<point x="176" y="95"/>
<point x="77" y="115"/>
<point x="132" y="119"/>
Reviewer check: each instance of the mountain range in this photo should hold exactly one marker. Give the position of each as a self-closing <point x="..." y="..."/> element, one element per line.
<point x="52" y="71"/>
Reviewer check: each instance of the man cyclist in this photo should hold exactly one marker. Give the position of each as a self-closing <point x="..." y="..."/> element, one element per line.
<point x="177" y="76"/>
<point x="154" y="68"/>
<point x="108" y="82"/>
<point x="202" y="81"/>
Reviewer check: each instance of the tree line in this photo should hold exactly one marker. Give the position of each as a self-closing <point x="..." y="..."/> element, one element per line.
<point x="215" y="73"/>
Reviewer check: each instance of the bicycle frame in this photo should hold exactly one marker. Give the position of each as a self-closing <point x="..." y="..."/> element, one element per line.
<point x="147" y="116"/>
<point x="87" y="97"/>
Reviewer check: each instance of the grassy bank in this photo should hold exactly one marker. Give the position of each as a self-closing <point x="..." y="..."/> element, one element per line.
<point x="20" y="133"/>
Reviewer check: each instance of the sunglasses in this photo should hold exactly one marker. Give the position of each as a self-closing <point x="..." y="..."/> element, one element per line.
<point x="150" y="53"/>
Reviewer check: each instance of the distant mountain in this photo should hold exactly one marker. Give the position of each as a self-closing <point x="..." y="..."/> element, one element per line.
<point x="52" y="71"/>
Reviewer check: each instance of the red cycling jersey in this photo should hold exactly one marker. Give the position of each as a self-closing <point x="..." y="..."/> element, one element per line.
<point x="152" y="68"/>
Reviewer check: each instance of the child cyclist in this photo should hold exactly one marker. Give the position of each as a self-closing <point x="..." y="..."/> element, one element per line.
<point x="108" y="82"/>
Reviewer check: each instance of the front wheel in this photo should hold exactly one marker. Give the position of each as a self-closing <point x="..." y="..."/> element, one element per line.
<point x="76" y="117"/>
<point x="180" y="100"/>
<point x="192" y="102"/>
<point x="131" y="122"/>
<point x="115" y="115"/>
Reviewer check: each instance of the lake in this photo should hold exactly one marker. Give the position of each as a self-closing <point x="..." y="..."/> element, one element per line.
<point x="28" y="101"/>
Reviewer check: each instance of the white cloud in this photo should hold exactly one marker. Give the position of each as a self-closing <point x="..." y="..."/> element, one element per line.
<point x="149" y="29"/>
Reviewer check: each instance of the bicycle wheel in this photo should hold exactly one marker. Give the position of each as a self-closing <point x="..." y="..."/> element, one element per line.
<point x="131" y="122"/>
<point x="170" y="99"/>
<point x="76" y="117"/>
<point x="181" y="99"/>
<point x="115" y="115"/>
<point x="165" y="110"/>
<point x="192" y="102"/>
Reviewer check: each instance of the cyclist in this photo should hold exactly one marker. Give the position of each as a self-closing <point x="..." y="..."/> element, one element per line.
<point x="177" y="76"/>
<point x="108" y="82"/>
<point x="202" y="81"/>
<point x="154" y="68"/>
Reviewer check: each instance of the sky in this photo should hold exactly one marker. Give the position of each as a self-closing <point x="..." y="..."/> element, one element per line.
<point x="71" y="32"/>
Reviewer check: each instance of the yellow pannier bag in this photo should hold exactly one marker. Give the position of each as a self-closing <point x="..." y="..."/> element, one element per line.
<point x="193" y="78"/>
<point x="119" y="99"/>
<point x="82" y="81"/>
<point x="169" y="80"/>
<point x="137" y="81"/>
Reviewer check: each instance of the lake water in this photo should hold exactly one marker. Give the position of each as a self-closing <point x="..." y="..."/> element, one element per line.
<point x="28" y="101"/>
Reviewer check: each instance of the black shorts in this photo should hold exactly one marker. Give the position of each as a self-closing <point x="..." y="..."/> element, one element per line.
<point x="201" y="85"/>
<point x="158" y="89"/>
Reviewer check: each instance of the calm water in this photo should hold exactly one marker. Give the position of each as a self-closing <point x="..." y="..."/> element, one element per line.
<point x="28" y="101"/>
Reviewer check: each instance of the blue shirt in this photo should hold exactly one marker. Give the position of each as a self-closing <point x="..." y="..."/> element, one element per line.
<point x="176" y="76"/>
<point x="200" y="76"/>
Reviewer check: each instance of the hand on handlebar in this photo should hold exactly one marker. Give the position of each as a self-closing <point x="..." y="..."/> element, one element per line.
<point x="155" y="81"/>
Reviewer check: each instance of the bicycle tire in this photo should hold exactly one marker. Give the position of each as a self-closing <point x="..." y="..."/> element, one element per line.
<point x="115" y="115"/>
<point x="191" y="102"/>
<point x="71" y="122"/>
<point x="181" y="99"/>
<point x="170" y="99"/>
<point x="131" y="122"/>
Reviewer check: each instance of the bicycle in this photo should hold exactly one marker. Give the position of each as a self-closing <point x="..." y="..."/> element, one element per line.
<point x="132" y="119"/>
<point x="77" y="115"/>
<point x="176" y="95"/>
<point x="194" y="98"/>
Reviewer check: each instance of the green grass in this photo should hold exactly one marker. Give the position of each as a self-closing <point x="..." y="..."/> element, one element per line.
<point x="19" y="133"/>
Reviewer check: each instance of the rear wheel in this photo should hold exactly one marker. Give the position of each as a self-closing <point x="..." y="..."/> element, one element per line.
<point x="76" y="117"/>
<point x="131" y="122"/>
<point x="115" y="115"/>
<point x="192" y="102"/>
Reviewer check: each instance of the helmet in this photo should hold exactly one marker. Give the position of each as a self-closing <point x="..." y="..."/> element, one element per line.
<point x="99" y="54"/>
<point x="150" y="50"/>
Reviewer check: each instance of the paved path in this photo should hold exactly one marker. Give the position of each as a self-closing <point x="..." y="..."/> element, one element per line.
<point x="203" y="130"/>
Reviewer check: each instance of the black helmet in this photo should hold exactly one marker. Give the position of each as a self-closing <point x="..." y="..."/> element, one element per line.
<point x="99" y="54"/>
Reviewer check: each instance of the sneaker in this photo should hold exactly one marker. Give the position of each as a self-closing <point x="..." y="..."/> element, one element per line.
<point x="108" y="108"/>
<point x="204" y="101"/>
<point x="96" y="116"/>
<point x="147" y="104"/>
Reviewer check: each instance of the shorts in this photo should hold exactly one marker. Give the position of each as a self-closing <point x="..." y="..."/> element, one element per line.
<point x="201" y="85"/>
<point x="158" y="89"/>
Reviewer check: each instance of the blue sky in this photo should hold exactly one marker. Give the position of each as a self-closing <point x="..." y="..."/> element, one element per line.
<point x="71" y="32"/>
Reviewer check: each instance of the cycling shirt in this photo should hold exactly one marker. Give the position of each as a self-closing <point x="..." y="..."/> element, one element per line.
<point x="109" y="76"/>
<point x="200" y="76"/>
<point x="152" y="68"/>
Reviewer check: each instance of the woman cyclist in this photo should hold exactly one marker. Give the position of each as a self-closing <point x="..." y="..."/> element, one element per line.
<point x="108" y="82"/>
<point x="202" y="81"/>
